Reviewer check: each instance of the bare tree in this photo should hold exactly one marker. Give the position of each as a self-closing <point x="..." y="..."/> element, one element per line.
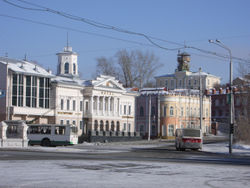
<point x="106" y="66"/>
<point x="134" y="69"/>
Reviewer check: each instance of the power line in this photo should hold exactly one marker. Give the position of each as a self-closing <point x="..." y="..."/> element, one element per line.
<point x="88" y="21"/>
<point x="110" y="27"/>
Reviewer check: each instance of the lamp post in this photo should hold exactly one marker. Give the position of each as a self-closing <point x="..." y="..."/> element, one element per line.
<point x="231" y="122"/>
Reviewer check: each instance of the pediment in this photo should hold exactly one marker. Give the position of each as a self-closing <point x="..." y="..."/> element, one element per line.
<point x="110" y="84"/>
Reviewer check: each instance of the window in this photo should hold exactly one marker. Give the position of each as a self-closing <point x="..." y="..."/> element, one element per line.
<point x="170" y="130"/>
<point x="74" y="68"/>
<point x="81" y="124"/>
<point x="96" y="125"/>
<point x="141" y="111"/>
<point x="165" y="111"/>
<point x="125" y="109"/>
<point x="61" y="122"/>
<point x="20" y="90"/>
<point x="66" y="68"/>
<point x="171" y="112"/>
<point x="180" y="83"/>
<point x="172" y="83"/>
<point x="107" y="126"/>
<point x="187" y="112"/>
<point x="62" y="104"/>
<point x="129" y="110"/>
<point x="166" y="83"/>
<point x="68" y="104"/>
<point x="129" y="127"/>
<point x="164" y="130"/>
<point x="74" y="122"/>
<point x="60" y="130"/>
<point x="74" y="105"/>
<point x="28" y="91"/>
<point x="34" y="91"/>
<point x="67" y="122"/>
<point x="124" y="127"/>
<point x="87" y="106"/>
<point x="14" y="90"/>
<point x="117" y="126"/>
<point x="195" y="82"/>
<point x="47" y="90"/>
<point x="101" y="126"/>
<point x="81" y="107"/>
<point x="182" y="112"/>
<point x="189" y="82"/>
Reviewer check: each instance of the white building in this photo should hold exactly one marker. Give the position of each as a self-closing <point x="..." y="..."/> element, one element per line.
<point x="36" y="95"/>
<point x="185" y="79"/>
<point x="27" y="88"/>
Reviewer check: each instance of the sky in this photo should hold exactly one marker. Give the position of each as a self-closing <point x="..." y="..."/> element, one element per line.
<point x="189" y="23"/>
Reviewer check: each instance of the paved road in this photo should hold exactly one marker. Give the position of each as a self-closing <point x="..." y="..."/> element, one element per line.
<point x="165" y="152"/>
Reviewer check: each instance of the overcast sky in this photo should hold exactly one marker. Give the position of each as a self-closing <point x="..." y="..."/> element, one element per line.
<point x="190" y="22"/>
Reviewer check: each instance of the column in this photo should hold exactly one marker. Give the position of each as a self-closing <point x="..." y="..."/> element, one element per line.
<point x="103" y="105"/>
<point x="97" y="105"/>
<point x="92" y="105"/>
<point x="108" y="105"/>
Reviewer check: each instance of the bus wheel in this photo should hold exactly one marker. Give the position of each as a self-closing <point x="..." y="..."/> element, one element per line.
<point x="46" y="142"/>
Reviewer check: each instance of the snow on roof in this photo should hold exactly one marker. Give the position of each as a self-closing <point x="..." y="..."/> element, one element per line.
<point x="189" y="75"/>
<point x="71" y="80"/>
<point x="166" y="75"/>
<point x="163" y="91"/>
<point x="25" y="67"/>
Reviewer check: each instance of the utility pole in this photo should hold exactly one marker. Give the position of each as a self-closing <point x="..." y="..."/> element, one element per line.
<point x="231" y="97"/>
<point x="149" y="118"/>
<point x="201" y="100"/>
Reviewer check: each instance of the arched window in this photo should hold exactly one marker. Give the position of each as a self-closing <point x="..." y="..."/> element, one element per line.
<point x="101" y="126"/>
<point x="171" y="111"/>
<point x="107" y="126"/>
<point x="112" y="126"/>
<point x="74" y="68"/>
<point x="96" y="125"/>
<point x="117" y="126"/>
<point x="141" y="111"/>
<point x="66" y="68"/>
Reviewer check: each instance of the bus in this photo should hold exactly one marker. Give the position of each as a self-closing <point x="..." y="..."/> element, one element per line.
<point x="188" y="138"/>
<point x="52" y="135"/>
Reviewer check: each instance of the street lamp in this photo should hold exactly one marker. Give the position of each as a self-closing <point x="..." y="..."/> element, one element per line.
<point x="231" y="122"/>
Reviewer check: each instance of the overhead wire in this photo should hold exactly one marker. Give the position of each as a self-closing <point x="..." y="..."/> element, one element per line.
<point x="105" y="26"/>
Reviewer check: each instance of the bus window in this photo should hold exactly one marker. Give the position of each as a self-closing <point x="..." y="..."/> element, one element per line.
<point x="60" y="130"/>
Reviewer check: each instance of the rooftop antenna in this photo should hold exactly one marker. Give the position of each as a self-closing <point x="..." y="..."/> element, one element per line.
<point x="25" y="57"/>
<point x="6" y="54"/>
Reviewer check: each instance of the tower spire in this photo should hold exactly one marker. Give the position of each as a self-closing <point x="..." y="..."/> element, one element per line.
<point x="67" y="40"/>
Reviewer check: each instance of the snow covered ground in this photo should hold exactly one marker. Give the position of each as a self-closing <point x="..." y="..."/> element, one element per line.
<point x="92" y="173"/>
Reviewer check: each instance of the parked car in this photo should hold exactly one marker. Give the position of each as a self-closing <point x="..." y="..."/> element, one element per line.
<point x="188" y="138"/>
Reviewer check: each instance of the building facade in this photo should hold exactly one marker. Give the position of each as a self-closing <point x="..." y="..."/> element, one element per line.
<point x="170" y="110"/>
<point x="183" y="78"/>
<point x="28" y="92"/>
<point x="37" y="96"/>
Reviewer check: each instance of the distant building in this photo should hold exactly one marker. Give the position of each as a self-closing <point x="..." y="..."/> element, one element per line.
<point x="183" y="78"/>
<point x="221" y="105"/>
<point x="170" y="110"/>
